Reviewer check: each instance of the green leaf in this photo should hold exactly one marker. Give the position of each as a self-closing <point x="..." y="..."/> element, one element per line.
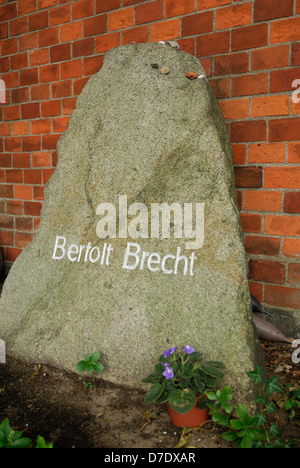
<point x="242" y="412"/>
<point x="260" y="419"/>
<point x="274" y="430"/>
<point x="41" y="443"/>
<point x="271" y="408"/>
<point x="182" y="401"/>
<point x="98" y="367"/>
<point x="154" y="393"/>
<point x="212" y="371"/>
<point x="81" y="366"/>
<point x="256" y="375"/>
<point x="273" y="386"/>
<point x="95" y="356"/>
<point x="230" y="436"/>
<point x="24" y="442"/>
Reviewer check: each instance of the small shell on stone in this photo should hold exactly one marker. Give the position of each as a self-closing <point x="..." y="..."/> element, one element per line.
<point x="173" y="44"/>
<point x="164" y="70"/>
<point x="201" y="76"/>
<point x="161" y="42"/>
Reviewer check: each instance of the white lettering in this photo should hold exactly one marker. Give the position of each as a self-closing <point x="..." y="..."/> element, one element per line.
<point x="58" y="246"/>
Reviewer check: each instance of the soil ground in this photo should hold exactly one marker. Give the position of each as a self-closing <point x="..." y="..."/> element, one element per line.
<point x="42" y="400"/>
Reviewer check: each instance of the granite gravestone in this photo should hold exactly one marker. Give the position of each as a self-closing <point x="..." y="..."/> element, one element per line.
<point x="140" y="245"/>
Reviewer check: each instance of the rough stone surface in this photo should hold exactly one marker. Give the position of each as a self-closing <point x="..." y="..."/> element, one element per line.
<point x="155" y="138"/>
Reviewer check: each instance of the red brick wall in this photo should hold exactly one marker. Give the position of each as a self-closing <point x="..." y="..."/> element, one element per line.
<point x="250" y="49"/>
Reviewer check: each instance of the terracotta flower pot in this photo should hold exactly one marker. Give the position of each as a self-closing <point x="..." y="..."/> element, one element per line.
<point x="193" y="418"/>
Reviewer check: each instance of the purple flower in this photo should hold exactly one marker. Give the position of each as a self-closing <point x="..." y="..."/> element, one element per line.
<point x="189" y="349"/>
<point x="165" y="364"/>
<point x="169" y="352"/>
<point x="168" y="373"/>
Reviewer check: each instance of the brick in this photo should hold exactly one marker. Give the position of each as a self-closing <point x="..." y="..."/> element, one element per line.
<point x="284" y="129"/>
<point x="60" y="52"/>
<point x="270" y="9"/>
<point x="197" y="24"/>
<point x="14" y="176"/>
<point x="270" y="105"/>
<point x="18" y="26"/>
<point x="212" y="44"/>
<point x="6" y="222"/>
<point x="296" y="54"/>
<point x="6" y="238"/>
<point x="95" y="26"/>
<point x="28" y="41"/>
<point x="14" y="207"/>
<point x="262" y="200"/>
<point x="31" y="143"/>
<point x="24" y="224"/>
<point x="294" y="273"/>
<point x="46" y="3"/>
<point x="50" y="108"/>
<point x="149" y="12"/>
<point x="257" y="290"/>
<point x="49" y="142"/>
<point x="23" y="192"/>
<point x="40" y="92"/>
<point x="9" y="46"/>
<point x="32" y="176"/>
<point x="286" y="30"/>
<point x="21" y="160"/>
<point x="139" y="35"/>
<point x="267" y="271"/>
<point x="291" y="248"/>
<point x="20" y="95"/>
<point x="282" y="296"/>
<point x="120" y="19"/>
<point x="248" y="131"/>
<point x="22" y="239"/>
<point x="248" y="177"/>
<point x="38" y="21"/>
<point x="266" y="153"/>
<point x="60" y="124"/>
<point x="178" y="7"/>
<point x="230" y="64"/>
<point x="38" y="192"/>
<point x="270" y="57"/>
<point x="106" y="42"/>
<point x="32" y="208"/>
<point x="79" y="84"/>
<point x="165" y="30"/>
<point x="251" y="222"/>
<point x="11" y="253"/>
<point x="62" y="89"/>
<point x="25" y="7"/>
<point x="92" y="65"/>
<point x="282" y="177"/>
<point x="68" y="105"/>
<point x="49" y="73"/>
<point x="20" y="128"/>
<point x="72" y="69"/>
<point x="82" y="9"/>
<point x="4" y="64"/>
<point x="5" y="129"/>
<point x="284" y="225"/>
<point x="12" y="144"/>
<point x="48" y="37"/>
<point x="281" y="80"/>
<point x="107" y="5"/>
<point x="11" y="79"/>
<point x="60" y="15"/>
<point x="41" y="159"/>
<point x="18" y="61"/>
<point x="294" y="153"/>
<point x="30" y="110"/>
<point x="249" y="84"/>
<point x="39" y="57"/>
<point x="249" y="37"/>
<point x="205" y="62"/>
<point x="11" y="113"/>
<point x="259" y="245"/>
<point x="208" y="4"/>
<point x="292" y="202"/>
<point x="234" y="16"/>
<point x="40" y="126"/>
<point x="8" y="11"/>
<point x="221" y="87"/>
<point x="83" y="47"/>
<point x="131" y="2"/>
<point x="29" y="76"/>
<point x="235" y="109"/>
<point x="47" y="173"/>
<point x="3" y="30"/>
<point x="71" y="31"/>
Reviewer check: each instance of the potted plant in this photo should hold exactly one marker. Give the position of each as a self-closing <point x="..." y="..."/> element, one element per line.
<point x="181" y="379"/>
